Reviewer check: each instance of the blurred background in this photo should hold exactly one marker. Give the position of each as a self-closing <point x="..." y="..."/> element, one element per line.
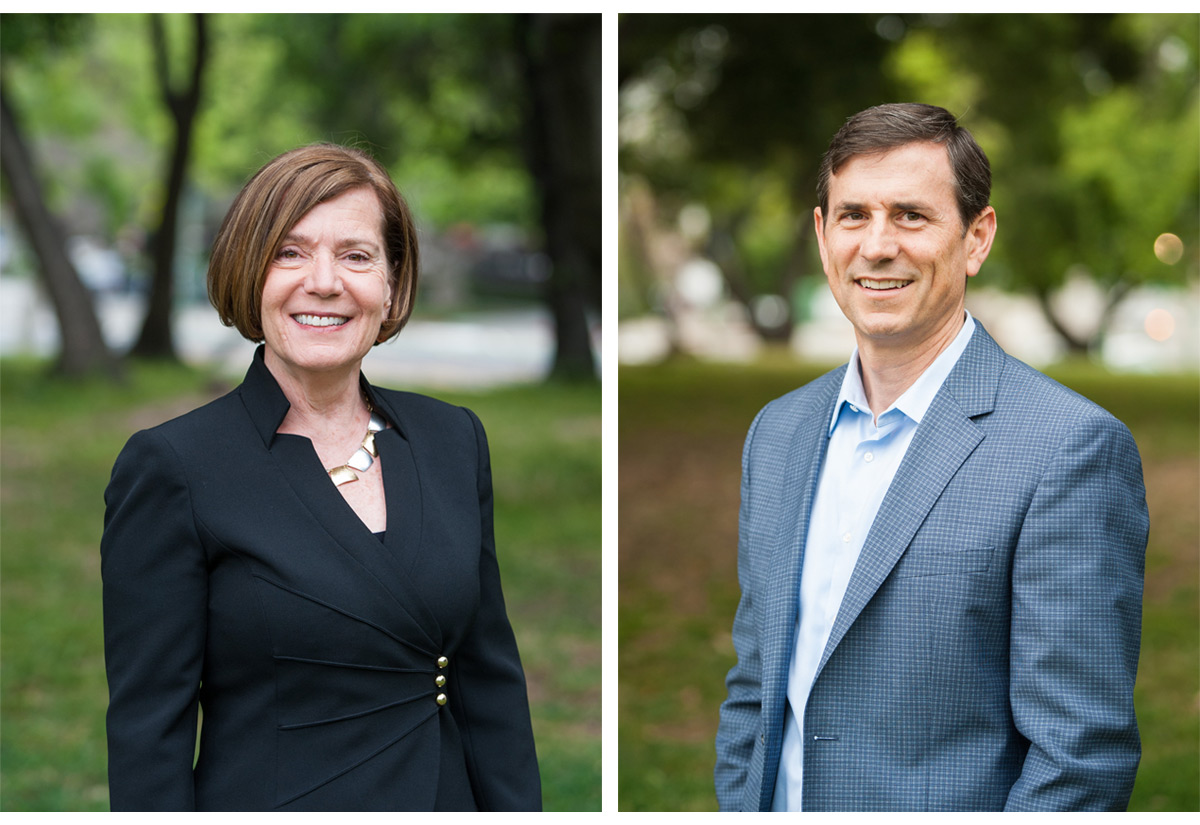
<point x="1092" y="126"/>
<point x="125" y="139"/>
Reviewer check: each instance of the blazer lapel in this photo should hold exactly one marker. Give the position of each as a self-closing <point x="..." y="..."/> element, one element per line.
<point x="944" y="439"/>
<point x="808" y="444"/>
<point x="300" y="467"/>
<point x="402" y="485"/>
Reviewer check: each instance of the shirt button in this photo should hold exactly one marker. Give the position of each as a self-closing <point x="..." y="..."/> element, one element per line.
<point x="440" y="681"/>
<point x="441" y="699"/>
<point x="854" y="408"/>
<point x="846" y="538"/>
<point x="869" y="457"/>
<point x="442" y="661"/>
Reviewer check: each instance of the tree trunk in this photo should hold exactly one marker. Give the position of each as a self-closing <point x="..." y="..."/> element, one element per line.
<point x="155" y="340"/>
<point x="723" y="249"/>
<point x="83" y="349"/>
<point x="561" y="57"/>
<point x="1077" y="345"/>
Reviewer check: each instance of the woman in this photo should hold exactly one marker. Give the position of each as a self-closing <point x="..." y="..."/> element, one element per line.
<point x="310" y="558"/>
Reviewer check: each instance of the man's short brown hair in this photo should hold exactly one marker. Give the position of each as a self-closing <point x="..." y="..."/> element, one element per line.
<point x="881" y="129"/>
<point x="274" y="201"/>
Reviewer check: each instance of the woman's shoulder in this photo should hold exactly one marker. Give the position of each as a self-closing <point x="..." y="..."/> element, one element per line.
<point x="211" y="426"/>
<point x="427" y="416"/>
<point x="418" y="406"/>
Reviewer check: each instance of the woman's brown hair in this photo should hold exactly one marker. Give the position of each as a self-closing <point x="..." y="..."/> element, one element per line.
<point x="274" y="200"/>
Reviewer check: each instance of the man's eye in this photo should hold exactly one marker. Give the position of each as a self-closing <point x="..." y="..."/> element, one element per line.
<point x="913" y="216"/>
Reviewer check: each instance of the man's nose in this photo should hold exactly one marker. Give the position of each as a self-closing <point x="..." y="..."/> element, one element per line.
<point x="879" y="241"/>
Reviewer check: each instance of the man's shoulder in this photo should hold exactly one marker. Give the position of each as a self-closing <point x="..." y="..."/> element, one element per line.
<point x="1025" y="389"/>
<point x="812" y="400"/>
<point x="988" y="379"/>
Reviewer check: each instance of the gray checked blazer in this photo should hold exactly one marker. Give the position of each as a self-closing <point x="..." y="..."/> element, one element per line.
<point x="985" y="652"/>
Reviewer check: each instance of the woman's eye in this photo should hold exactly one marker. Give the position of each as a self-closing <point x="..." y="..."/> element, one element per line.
<point x="287" y="255"/>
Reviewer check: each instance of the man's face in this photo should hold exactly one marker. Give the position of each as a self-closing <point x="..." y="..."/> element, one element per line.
<point x="894" y="250"/>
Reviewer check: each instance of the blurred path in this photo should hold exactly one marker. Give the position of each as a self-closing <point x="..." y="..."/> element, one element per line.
<point x="473" y="350"/>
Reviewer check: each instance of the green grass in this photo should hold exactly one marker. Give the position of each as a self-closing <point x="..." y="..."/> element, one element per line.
<point x="57" y="445"/>
<point x="681" y="430"/>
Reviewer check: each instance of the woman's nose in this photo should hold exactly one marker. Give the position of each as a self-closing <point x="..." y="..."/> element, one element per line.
<point x="323" y="278"/>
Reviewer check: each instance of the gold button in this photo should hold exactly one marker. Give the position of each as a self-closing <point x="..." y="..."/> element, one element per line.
<point x="441" y="698"/>
<point x="440" y="681"/>
<point x="442" y="661"/>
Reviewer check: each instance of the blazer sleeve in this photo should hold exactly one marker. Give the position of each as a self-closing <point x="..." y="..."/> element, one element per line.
<point x="155" y="595"/>
<point x="1076" y="624"/>
<point x="488" y="684"/>
<point x="741" y="711"/>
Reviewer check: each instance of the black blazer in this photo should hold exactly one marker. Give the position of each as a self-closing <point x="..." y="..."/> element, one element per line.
<point x="237" y="579"/>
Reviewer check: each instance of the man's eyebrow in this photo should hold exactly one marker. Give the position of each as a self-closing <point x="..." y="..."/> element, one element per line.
<point x="898" y="206"/>
<point x="911" y="206"/>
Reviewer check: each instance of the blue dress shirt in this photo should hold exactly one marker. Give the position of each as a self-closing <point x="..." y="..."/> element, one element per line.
<point x="864" y="452"/>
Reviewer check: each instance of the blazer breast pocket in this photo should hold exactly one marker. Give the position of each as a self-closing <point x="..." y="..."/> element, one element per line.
<point x="916" y="562"/>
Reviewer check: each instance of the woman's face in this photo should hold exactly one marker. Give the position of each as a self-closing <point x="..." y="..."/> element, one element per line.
<point x="327" y="290"/>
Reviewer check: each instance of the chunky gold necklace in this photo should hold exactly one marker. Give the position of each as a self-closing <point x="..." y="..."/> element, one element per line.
<point x="364" y="456"/>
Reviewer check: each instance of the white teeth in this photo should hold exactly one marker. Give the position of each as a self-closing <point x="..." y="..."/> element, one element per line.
<point x="882" y="284"/>
<point x="321" y="320"/>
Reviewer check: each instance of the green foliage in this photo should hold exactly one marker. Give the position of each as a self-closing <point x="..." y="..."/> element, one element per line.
<point x="58" y="445"/>
<point x="438" y="98"/>
<point x="1091" y="123"/>
<point x="733" y="112"/>
<point x="681" y="430"/>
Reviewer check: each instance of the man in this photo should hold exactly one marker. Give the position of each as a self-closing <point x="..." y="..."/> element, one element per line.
<point x="940" y="549"/>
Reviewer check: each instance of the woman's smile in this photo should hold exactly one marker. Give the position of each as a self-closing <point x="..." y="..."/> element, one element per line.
<point x="320" y="320"/>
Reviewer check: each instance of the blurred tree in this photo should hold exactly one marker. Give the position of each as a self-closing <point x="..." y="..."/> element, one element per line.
<point x="83" y="348"/>
<point x="502" y="111"/>
<point x="444" y="101"/>
<point x="560" y="54"/>
<point x="733" y="112"/>
<point x="1091" y="125"/>
<point x="1090" y="122"/>
<point x="183" y="102"/>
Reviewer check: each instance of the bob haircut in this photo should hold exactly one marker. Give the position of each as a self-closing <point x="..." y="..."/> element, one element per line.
<point x="274" y="200"/>
<point x="881" y="129"/>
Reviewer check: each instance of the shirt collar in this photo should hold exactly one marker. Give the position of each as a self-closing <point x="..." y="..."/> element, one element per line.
<point x="915" y="401"/>
<point x="268" y="406"/>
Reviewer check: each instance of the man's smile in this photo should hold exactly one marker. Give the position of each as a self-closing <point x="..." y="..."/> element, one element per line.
<point x="881" y="286"/>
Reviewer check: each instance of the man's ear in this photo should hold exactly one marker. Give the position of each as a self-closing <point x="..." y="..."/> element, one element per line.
<point x="980" y="235"/>
<point x="819" y="223"/>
